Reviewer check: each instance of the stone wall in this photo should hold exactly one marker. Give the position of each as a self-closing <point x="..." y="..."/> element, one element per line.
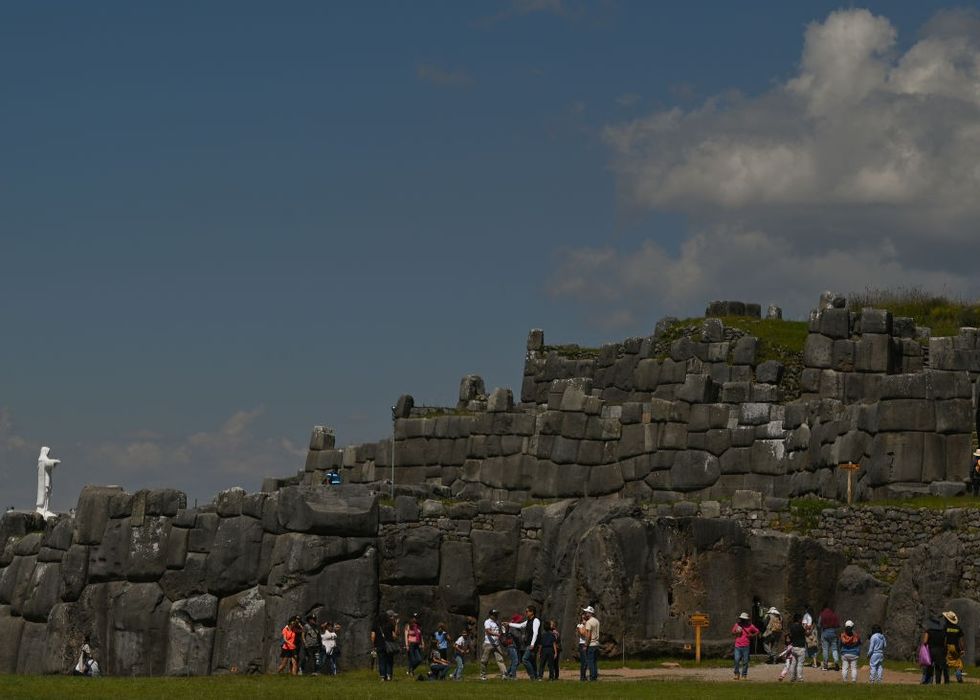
<point x="701" y="414"/>
<point x="157" y="588"/>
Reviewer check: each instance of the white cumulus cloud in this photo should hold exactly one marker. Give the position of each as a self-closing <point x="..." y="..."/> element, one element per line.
<point x="863" y="168"/>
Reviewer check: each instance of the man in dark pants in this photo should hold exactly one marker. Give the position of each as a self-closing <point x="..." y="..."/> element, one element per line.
<point x="531" y="640"/>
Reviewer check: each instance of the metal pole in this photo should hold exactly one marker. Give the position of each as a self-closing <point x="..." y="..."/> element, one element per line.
<point x="394" y="420"/>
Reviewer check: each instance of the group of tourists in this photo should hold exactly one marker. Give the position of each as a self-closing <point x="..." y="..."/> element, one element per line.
<point x="941" y="649"/>
<point x="309" y="647"/>
<point x="521" y="641"/>
<point x="803" y="639"/>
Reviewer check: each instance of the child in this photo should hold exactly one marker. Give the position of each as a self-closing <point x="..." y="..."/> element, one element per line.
<point x="812" y="644"/>
<point x="550" y="649"/>
<point x="460" y="648"/>
<point x="850" y="651"/>
<point x="441" y="639"/>
<point x="876" y="654"/>
<point x="787" y="654"/>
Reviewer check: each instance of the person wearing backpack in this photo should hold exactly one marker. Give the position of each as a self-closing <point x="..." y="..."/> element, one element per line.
<point x="850" y="651"/>
<point x="310" y="636"/>
<point x="772" y="634"/>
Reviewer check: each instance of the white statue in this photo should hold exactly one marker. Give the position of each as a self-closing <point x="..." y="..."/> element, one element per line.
<point x="45" y="465"/>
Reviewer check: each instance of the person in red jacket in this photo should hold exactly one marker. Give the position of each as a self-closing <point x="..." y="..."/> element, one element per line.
<point x="287" y="652"/>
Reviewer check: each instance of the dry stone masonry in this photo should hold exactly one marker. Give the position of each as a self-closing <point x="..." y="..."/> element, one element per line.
<point x="703" y="414"/>
<point x="636" y="476"/>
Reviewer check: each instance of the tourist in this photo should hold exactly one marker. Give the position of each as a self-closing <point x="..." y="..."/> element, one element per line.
<point x="310" y="645"/>
<point x="531" y="640"/>
<point x="510" y="644"/>
<point x="87" y="665"/>
<point x="876" y="654"/>
<point x="812" y="645"/>
<point x="850" y="651"/>
<point x="582" y="648"/>
<point x="975" y="474"/>
<point x="829" y="622"/>
<point x="550" y="650"/>
<point x="934" y="638"/>
<point x="954" y="647"/>
<point x="438" y="665"/>
<point x="797" y="640"/>
<point x="414" y="644"/>
<point x="491" y="645"/>
<point x="287" y="648"/>
<point x="440" y="639"/>
<point x="328" y="643"/>
<point x="743" y="631"/>
<point x="592" y="642"/>
<point x="384" y="638"/>
<point x="460" y="648"/>
<point x="773" y="633"/>
<point x="335" y="657"/>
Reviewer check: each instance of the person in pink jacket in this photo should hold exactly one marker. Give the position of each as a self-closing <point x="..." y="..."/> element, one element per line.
<point x="743" y="631"/>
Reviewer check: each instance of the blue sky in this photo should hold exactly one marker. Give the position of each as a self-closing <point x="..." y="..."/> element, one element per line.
<point x="225" y="222"/>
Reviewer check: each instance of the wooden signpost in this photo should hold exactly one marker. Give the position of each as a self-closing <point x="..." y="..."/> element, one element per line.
<point x="850" y="468"/>
<point x="698" y="621"/>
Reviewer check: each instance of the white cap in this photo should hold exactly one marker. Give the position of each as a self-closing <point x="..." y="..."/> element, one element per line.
<point x="588" y="609"/>
<point x="849" y="623"/>
<point x="772" y="611"/>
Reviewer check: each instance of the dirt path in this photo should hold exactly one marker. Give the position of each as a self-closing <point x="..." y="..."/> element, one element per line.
<point x="758" y="673"/>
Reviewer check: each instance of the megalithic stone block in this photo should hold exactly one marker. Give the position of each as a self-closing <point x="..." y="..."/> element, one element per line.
<point x="471" y="387"/>
<point x="322" y="438"/>
<point x="403" y="407"/>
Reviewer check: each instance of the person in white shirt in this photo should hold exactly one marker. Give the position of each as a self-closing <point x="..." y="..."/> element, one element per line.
<point x="532" y="627"/>
<point x="460" y="648"/>
<point x="328" y="640"/>
<point x="491" y="645"/>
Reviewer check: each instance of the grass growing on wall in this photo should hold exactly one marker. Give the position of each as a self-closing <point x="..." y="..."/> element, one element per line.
<point x="928" y="502"/>
<point x="944" y="314"/>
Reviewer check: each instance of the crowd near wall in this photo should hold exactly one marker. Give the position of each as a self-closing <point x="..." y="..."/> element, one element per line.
<point x="633" y="477"/>
<point x="157" y="588"/>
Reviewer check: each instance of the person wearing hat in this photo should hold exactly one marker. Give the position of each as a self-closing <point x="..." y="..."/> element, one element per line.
<point x="975" y="474"/>
<point x="491" y="645"/>
<point x="743" y="631"/>
<point x="850" y="651"/>
<point x="591" y="624"/>
<point x="954" y="646"/>
<point x="773" y="633"/>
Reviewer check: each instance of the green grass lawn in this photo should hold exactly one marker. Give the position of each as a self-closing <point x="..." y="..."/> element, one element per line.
<point x="365" y="684"/>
